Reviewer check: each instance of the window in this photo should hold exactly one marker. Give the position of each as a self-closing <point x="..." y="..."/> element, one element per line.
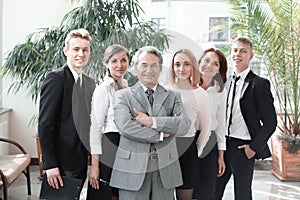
<point x="215" y="34"/>
<point x="159" y="23"/>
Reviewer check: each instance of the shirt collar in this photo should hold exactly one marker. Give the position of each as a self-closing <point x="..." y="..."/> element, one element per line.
<point x="145" y="88"/>
<point x="244" y="74"/>
<point x="75" y="75"/>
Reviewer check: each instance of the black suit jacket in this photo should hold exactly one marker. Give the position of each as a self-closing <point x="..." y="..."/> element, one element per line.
<point x="259" y="114"/>
<point x="60" y="139"/>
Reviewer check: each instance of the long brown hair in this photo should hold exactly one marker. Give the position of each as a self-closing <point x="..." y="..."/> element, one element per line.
<point x="221" y="76"/>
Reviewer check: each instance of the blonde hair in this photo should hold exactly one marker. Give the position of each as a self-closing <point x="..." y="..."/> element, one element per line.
<point x="77" y="33"/>
<point x="244" y="40"/>
<point x="195" y="78"/>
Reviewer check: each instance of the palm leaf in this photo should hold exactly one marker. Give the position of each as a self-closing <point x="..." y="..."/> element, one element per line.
<point x="274" y="29"/>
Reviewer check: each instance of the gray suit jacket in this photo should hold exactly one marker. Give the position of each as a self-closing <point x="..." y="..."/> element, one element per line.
<point x="133" y="152"/>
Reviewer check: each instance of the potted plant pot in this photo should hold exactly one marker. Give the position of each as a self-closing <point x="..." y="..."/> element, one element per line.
<point x="285" y="165"/>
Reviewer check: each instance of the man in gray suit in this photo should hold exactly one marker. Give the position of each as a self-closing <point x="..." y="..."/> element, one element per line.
<point x="148" y="117"/>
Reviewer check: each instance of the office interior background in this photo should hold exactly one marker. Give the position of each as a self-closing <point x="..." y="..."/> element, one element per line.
<point x="189" y="21"/>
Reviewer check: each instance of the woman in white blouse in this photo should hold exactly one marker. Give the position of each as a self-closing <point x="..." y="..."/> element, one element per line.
<point x="184" y="78"/>
<point x="104" y="136"/>
<point x="213" y="68"/>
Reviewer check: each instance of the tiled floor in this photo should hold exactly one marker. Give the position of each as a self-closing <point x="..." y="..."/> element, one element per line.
<point x="265" y="187"/>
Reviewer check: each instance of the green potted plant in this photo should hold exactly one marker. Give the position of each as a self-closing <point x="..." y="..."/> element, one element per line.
<point x="273" y="26"/>
<point x="108" y="22"/>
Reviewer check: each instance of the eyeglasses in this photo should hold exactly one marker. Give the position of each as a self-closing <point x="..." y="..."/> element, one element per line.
<point x="208" y="61"/>
<point x="145" y="66"/>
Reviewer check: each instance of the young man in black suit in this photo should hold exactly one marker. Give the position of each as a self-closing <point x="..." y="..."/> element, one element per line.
<point x="251" y="120"/>
<point x="64" y="113"/>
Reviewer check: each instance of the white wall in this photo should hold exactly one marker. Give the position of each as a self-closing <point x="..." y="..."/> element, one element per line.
<point x="188" y="23"/>
<point x="189" y="18"/>
<point x="21" y="18"/>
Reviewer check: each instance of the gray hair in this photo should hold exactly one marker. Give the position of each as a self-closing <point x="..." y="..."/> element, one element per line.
<point x="148" y="49"/>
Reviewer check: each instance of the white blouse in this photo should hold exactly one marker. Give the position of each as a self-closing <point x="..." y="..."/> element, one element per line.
<point x="102" y="113"/>
<point x="196" y="104"/>
<point x="218" y="114"/>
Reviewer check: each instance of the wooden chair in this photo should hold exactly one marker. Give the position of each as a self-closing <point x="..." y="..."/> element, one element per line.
<point x="11" y="166"/>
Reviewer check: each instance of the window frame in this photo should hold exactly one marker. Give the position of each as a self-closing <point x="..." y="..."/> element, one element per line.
<point x="214" y="23"/>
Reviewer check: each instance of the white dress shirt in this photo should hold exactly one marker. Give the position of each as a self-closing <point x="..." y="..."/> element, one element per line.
<point x="154" y="124"/>
<point x="75" y="74"/>
<point x="238" y="128"/>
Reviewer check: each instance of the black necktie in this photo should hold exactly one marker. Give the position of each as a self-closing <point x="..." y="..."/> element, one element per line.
<point x="235" y="79"/>
<point x="149" y="93"/>
<point x="78" y="82"/>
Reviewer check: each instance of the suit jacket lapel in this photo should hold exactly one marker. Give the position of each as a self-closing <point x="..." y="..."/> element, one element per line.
<point x="160" y="96"/>
<point x="246" y="83"/>
<point x="245" y="86"/>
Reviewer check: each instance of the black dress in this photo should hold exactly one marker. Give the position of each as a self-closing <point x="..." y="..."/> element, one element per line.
<point x="110" y="143"/>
